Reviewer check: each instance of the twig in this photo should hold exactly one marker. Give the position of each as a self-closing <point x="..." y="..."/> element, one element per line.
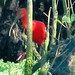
<point x="64" y="59"/>
<point x="15" y="20"/>
<point x="49" y="18"/>
<point x="11" y="28"/>
<point x="59" y="55"/>
<point x="73" y="3"/>
<point x="57" y="20"/>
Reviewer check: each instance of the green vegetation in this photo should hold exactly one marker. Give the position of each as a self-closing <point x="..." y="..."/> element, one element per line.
<point x="53" y="57"/>
<point x="9" y="68"/>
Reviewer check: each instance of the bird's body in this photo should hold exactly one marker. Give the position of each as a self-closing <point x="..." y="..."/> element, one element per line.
<point x="38" y="27"/>
<point x="39" y="32"/>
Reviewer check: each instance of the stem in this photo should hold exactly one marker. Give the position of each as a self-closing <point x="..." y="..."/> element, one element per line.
<point x="71" y="6"/>
<point x="66" y="8"/>
<point x="45" y="67"/>
<point x="29" y="51"/>
<point x="55" y="15"/>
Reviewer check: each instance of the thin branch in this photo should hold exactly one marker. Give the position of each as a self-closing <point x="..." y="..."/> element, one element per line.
<point x="64" y="59"/>
<point x="12" y="25"/>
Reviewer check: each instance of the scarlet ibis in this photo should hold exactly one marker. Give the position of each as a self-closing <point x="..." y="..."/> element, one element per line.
<point x="38" y="27"/>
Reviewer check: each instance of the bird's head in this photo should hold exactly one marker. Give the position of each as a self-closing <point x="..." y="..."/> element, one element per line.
<point x="22" y="12"/>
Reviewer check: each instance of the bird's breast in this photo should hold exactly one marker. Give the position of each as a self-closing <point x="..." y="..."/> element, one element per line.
<point x="39" y="32"/>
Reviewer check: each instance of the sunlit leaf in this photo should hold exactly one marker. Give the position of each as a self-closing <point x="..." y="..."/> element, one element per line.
<point x="66" y="19"/>
<point x="72" y="17"/>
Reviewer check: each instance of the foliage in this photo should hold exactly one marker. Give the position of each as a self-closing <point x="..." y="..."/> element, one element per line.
<point x="14" y="68"/>
<point x="72" y="17"/>
<point x="66" y="19"/>
<point x="11" y="68"/>
<point x="57" y="50"/>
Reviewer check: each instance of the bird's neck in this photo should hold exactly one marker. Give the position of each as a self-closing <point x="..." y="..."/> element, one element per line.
<point x="24" y="21"/>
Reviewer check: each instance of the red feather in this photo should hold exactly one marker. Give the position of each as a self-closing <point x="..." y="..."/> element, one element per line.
<point x="39" y="28"/>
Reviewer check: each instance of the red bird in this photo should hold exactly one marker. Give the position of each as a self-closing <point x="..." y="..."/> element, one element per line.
<point x="38" y="27"/>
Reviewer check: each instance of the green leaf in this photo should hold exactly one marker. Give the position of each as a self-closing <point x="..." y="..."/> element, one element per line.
<point x="66" y="19"/>
<point x="72" y="17"/>
<point x="9" y="67"/>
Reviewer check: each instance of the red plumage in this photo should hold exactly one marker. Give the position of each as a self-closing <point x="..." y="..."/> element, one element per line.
<point x="38" y="27"/>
